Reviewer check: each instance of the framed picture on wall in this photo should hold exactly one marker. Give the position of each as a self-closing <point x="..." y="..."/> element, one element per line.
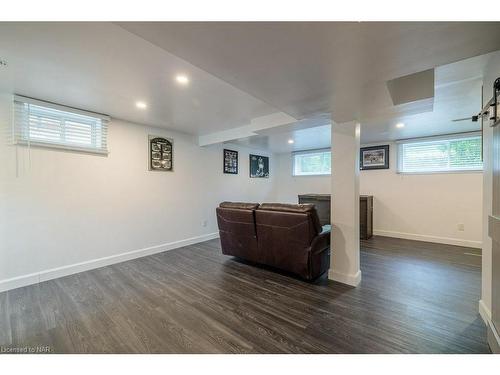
<point x="161" y="154"/>
<point x="259" y="166"/>
<point x="374" y="157"/>
<point x="230" y="161"/>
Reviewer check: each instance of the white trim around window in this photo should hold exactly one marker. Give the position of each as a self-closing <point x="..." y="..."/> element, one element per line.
<point x="45" y="124"/>
<point x="453" y="153"/>
<point x="311" y="163"/>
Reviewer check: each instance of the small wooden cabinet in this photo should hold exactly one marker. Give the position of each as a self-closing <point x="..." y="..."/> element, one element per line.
<point x="322" y="203"/>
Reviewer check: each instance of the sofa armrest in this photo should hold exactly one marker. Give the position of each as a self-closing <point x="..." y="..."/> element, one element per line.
<point x="319" y="254"/>
<point x="322" y="240"/>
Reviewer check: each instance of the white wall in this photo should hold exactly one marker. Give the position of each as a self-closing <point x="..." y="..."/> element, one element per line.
<point x="69" y="208"/>
<point x="287" y="187"/>
<point x="425" y="206"/>
<point x="420" y="207"/>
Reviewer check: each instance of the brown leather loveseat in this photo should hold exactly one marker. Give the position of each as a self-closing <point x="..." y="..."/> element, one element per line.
<point x="285" y="236"/>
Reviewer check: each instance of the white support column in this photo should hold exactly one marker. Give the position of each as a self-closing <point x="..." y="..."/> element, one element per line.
<point x="344" y="263"/>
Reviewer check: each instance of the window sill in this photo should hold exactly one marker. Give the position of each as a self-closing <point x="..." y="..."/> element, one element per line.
<point x="311" y="175"/>
<point x="441" y="172"/>
<point x="84" y="150"/>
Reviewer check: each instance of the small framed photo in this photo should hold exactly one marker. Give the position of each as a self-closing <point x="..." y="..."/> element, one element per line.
<point x="259" y="166"/>
<point x="230" y="161"/>
<point x="374" y="157"/>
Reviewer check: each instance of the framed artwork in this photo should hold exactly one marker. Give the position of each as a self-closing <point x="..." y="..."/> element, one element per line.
<point x="259" y="166"/>
<point x="230" y="161"/>
<point x="375" y="157"/>
<point x="161" y="154"/>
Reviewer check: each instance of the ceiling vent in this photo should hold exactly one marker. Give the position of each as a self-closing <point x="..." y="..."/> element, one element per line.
<point x="412" y="88"/>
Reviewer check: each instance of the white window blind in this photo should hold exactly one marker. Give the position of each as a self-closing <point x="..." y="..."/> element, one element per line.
<point x="453" y="153"/>
<point x="310" y="163"/>
<point x="39" y="123"/>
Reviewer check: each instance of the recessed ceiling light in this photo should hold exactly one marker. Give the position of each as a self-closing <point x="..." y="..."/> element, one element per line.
<point x="291" y="141"/>
<point x="182" y="79"/>
<point x="400" y="125"/>
<point x="141" y="105"/>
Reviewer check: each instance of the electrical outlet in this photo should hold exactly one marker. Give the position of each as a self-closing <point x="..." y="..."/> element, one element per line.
<point x="204" y="223"/>
<point x="460" y="227"/>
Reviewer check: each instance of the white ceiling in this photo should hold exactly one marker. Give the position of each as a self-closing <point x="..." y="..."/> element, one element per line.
<point x="457" y="95"/>
<point x="103" y="68"/>
<point x="313" y="133"/>
<point x="244" y="71"/>
<point x="304" y="69"/>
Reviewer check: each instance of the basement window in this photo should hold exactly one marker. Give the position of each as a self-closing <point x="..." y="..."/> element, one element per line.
<point x="452" y="153"/>
<point x="312" y="163"/>
<point x="43" y="124"/>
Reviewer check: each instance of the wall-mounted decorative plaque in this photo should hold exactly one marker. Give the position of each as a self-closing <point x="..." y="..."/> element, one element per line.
<point x="230" y="161"/>
<point x="161" y="154"/>
<point x="259" y="166"/>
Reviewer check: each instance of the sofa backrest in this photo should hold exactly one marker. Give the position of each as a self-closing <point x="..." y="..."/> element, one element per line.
<point x="237" y="230"/>
<point x="239" y="205"/>
<point x="285" y="233"/>
<point x="307" y="209"/>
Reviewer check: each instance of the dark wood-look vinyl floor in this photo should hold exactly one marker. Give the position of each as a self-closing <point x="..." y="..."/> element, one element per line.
<point x="415" y="297"/>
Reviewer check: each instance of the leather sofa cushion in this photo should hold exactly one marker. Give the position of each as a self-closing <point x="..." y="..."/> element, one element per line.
<point x="239" y="205"/>
<point x="305" y="208"/>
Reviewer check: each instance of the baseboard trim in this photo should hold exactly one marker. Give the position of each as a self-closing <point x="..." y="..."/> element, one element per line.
<point x="427" y="238"/>
<point x="54" y="273"/>
<point x="493" y="339"/>
<point x="349" y="279"/>
<point x="493" y="335"/>
<point x="485" y="312"/>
